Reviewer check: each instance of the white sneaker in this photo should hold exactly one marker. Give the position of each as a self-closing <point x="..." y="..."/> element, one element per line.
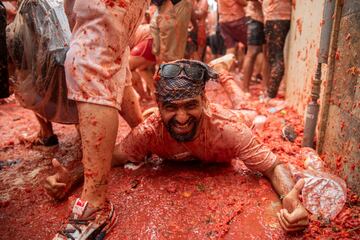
<point x="88" y="223"/>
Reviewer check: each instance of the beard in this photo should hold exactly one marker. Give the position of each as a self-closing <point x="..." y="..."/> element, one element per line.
<point x="187" y="137"/>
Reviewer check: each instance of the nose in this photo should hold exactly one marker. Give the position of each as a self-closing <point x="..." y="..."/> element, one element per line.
<point x="181" y="116"/>
<point x="182" y="73"/>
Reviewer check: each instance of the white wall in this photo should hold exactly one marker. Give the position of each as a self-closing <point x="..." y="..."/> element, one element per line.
<point x="303" y="44"/>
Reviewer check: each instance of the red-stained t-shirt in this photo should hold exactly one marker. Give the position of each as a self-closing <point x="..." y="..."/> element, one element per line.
<point x="223" y="136"/>
<point x="276" y="9"/>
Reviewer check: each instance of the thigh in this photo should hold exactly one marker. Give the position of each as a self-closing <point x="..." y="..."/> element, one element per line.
<point x="275" y="33"/>
<point x="255" y="33"/>
<point x="226" y="33"/>
<point x="239" y="30"/>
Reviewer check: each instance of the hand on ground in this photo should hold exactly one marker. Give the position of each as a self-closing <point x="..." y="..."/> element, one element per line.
<point x="58" y="185"/>
<point x="293" y="217"/>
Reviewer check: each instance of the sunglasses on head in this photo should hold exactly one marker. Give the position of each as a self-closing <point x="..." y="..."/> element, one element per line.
<point x="194" y="71"/>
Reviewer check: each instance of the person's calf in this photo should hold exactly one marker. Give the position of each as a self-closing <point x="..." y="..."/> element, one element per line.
<point x="248" y="66"/>
<point x="98" y="127"/>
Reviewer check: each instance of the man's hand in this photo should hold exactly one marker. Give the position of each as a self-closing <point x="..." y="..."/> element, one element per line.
<point x="58" y="185"/>
<point x="293" y="217"/>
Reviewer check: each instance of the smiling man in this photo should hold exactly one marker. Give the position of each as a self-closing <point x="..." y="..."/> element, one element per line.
<point x="188" y="127"/>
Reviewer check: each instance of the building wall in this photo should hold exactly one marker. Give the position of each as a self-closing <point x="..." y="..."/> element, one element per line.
<point x="338" y="136"/>
<point x="340" y="142"/>
<point x="303" y="44"/>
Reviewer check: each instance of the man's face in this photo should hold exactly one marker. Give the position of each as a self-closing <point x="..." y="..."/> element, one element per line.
<point x="182" y="117"/>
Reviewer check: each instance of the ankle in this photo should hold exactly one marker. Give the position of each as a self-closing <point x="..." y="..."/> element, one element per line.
<point x="95" y="202"/>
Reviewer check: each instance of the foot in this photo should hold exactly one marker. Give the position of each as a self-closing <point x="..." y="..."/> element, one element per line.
<point x="47" y="141"/>
<point x="38" y="140"/>
<point x="87" y="222"/>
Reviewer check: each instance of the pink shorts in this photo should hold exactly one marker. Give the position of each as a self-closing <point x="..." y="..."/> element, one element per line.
<point x="97" y="60"/>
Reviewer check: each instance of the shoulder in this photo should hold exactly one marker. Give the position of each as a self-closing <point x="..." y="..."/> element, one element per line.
<point x="229" y="123"/>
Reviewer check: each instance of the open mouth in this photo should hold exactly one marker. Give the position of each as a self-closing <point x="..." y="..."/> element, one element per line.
<point x="183" y="128"/>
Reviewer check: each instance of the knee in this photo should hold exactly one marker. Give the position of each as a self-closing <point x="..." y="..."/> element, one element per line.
<point x="253" y="51"/>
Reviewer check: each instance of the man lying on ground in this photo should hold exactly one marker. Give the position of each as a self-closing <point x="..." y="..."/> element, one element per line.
<point x="188" y="127"/>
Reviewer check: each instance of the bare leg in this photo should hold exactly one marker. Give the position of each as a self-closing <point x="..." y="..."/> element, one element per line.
<point x="148" y="77"/>
<point x="240" y="55"/>
<point x="98" y="128"/>
<point x="138" y="85"/>
<point x="249" y="62"/>
<point x="130" y="107"/>
<point x="46" y="129"/>
<point x="258" y="66"/>
<point x="234" y="92"/>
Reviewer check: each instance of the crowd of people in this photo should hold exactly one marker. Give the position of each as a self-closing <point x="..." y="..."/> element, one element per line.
<point x="123" y="53"/>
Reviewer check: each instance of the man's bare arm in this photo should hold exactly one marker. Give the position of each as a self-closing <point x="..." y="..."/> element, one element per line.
<point x="280" y="178"/>
<point x="293" y="216"/>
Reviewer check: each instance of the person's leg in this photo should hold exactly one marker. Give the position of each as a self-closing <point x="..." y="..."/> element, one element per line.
<point x="240" y="36"/>
<point x="234" y="92"/>
<point x="147" y="75"/>
<point x="98" y="128"/>
<point x="229" y="42"/>
<point x="130" y="107"/>
<point x="138" y="65"/>
<point x="265" y="68"/>
<point x="155" y="33"/>
<point x="258" y="66"/>
<point x="276" y="36"/>
<point x="46" y="129"/>
<point x="248" y="66"/>
<point x="46" y="136"/>
<point x="166" y="23"/>
<point x="137" y="84"/>
<point x="235" y="35"/>
<point x="201" y="41"/>
<point x="98" y="94"/>
<point x="183" y="11"/>
<point x="255" y="40"/>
